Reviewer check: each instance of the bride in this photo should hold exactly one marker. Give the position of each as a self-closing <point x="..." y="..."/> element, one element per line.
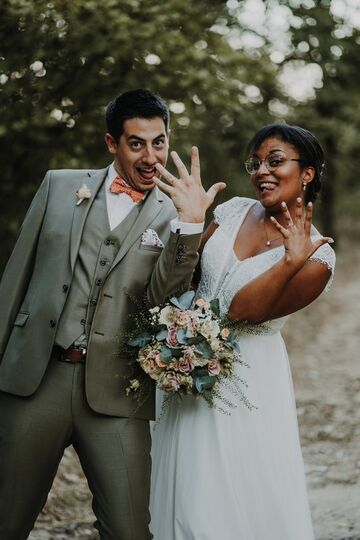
<point x="241" y="477"/>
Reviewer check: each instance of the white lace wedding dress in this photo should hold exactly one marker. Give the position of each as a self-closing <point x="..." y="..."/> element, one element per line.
<point x="236" y="477"/>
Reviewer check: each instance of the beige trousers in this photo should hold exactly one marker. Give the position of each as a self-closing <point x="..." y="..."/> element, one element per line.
<point x="114" y="454"/>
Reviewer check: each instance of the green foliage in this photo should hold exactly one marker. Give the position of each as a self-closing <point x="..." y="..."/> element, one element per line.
<point x="184" y="301"/>
<point x="61" y="62"/>
<point x="203" y="381"/>
<point x="140" y="340"/>
<point x="334" y="116"/>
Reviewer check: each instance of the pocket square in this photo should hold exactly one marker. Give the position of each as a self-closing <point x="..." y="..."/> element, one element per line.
<point x="150" y="238"/>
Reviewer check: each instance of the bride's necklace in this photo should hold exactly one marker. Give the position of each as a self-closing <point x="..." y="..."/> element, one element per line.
<point x="269" y="241"/>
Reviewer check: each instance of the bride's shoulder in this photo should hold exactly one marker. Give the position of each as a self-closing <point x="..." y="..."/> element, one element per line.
<point x="324" y="255"/>
<point x="225" y="212"/>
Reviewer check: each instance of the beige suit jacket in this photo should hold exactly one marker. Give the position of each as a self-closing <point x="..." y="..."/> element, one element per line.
<point x="34" y="287"/>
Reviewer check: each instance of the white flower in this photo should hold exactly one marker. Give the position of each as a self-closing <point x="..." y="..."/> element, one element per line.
<point x="82" y="193"/>
<point x="215" y="344"/>
<point x="155" y="309"/>
<point x="210" y="329"/>
<point x="166" y="315"/>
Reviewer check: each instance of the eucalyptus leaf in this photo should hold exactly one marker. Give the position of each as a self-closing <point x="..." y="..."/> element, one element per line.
<point x="196" y="339"/>
<point x="189" y="333"/>
<point x="181" y="336"/>
<point x="166" y="354"/>
<point x="203" y="382"/>
<point x="232" y="342"/>
<point x="140" y="340"/>
<point x="162" y="334"/>
<point x="215" y="306"/>
<point x="184" y="301"/>
<point x="177" y="352"/>
<point x="204" y="349"/>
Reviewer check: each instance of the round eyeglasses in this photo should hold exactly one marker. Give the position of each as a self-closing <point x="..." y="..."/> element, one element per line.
<point x="253" y="164"/>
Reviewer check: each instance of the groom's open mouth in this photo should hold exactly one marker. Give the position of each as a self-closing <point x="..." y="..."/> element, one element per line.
<point x="147" y="173"/>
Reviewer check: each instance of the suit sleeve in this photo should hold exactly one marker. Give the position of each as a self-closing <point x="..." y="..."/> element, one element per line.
<point x="174" y="269"/>
<point x="19" y="268"/>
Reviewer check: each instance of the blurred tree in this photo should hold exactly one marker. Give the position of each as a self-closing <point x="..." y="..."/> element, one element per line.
<point x="61" y="61"/>
<point x="320" y="37"/>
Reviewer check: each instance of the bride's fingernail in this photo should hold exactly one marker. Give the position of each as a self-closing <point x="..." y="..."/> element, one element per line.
<point x="283" y="204"/>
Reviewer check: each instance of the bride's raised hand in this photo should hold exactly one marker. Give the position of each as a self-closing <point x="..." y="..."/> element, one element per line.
<point x="297" y="234"/>
<point x="187" y="192"/>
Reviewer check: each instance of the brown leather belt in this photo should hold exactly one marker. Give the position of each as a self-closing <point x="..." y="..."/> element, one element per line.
<point x="72" y="354"/>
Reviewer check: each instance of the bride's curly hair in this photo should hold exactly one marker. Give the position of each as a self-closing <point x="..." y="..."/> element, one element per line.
<point x="310" y="151"/>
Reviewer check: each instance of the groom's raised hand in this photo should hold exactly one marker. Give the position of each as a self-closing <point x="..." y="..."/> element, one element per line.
<point x="187" y="193"/>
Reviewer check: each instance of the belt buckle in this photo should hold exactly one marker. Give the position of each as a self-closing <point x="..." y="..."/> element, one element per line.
<point x="83" y="350"/>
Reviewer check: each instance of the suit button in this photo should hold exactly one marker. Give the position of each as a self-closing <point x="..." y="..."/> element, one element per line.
<point x="93" y="302"/>
<point x="65" y="288"/>
<point x="102" y="262"/>
<point x="83" y="321"/>
<point x="98" y="282"/>
<point x="52" y="323"/>
<point x="107" y="242"/>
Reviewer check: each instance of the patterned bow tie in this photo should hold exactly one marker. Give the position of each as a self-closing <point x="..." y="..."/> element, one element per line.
<point x="119" y="186"/>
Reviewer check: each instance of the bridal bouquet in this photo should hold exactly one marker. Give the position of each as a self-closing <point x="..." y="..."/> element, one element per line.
<point x="186" y="348"/>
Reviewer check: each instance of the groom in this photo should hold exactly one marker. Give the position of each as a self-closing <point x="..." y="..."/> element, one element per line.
<point x="93" y="243"/>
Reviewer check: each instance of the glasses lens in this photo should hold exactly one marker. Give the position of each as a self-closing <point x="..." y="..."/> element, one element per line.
<point x="252" y="165"/>
<point x="273" y="162"/>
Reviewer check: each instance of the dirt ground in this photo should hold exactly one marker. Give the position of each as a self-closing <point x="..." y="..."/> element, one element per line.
<point x="323" y="343"/>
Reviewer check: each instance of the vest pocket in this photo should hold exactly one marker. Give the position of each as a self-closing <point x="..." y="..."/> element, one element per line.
<point x="21" y="318"/>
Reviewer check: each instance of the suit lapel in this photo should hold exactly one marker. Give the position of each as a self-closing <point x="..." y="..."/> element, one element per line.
<point x="151" y="208"/>
<point x="94" y="181"/>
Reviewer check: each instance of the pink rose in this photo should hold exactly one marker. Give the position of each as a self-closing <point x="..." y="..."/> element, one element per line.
<point x="186" y="365"/>
<point x="213" y="367"/>
<point x="172" y="383"/>
<point x="149" y="365"/>
<point x="158" y="360"/>
<point x="182" y="318"/>
<point x="171" y="338"/>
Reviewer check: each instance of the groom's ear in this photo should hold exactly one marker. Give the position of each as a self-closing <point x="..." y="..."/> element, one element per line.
<point x="110" y="143"/>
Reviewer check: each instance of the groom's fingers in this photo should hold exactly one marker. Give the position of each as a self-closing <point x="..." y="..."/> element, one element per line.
<point x="214" y="190"/>
<point x="179" y="165"/>
<point x="161" y="185"/>
<point x="168" y="176"/>
<point x="195" y="164"/>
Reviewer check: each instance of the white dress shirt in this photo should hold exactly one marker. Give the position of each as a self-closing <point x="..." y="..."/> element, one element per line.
<point x="120" y="205"/>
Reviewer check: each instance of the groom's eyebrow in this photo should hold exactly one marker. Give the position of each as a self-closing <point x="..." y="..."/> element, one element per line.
<point x="140" y="139"/>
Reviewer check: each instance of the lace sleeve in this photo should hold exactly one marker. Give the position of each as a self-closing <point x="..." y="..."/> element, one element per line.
<point x="325" y="255"/>
<point x="228" y="213"/>
<point x="221" y="210"/>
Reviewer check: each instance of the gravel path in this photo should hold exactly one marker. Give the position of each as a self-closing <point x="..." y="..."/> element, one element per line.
<point x="323" y="343"/>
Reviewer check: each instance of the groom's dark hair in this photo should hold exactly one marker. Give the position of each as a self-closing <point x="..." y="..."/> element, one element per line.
<point x="134" y="104"/>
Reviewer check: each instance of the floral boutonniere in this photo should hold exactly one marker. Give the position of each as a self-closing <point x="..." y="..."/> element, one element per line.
<point x="82" y="193"/>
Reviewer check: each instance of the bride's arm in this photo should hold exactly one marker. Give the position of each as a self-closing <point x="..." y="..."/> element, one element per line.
<point x="289" y="285"/>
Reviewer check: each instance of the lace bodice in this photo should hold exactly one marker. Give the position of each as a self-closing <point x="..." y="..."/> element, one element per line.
<point x="223" y="274"/>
